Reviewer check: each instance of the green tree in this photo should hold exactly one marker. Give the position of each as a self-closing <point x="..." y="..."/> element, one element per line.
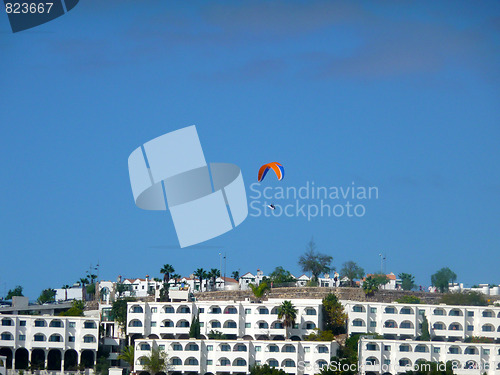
<point x="259" y="290"/>
<point x="167" y="270"/>
<point x="201" y="274"/>
<point x="127" y="355"/>
<point x="352" y="271"/>
<point x="176" y="277"/>
<point x="466" y="298"/>
<point x="288" y="313"/>
<point x="47" y="295"/>
<point x="76" y="309"/>
<point x="407" y="281"/>
<point x="319" y="335"/>
<point x="119" y="311"/>
<point x="334" y="316"/>
<point x="315" y="262"/>
<point x="347" y="358"/>
<point x="213" y="274"/>
<point x="370" y="286"/>
<point x="16" y="292"/>
<point x="216" y="335"/>
<point x="442" y="278"/>
<point x="380" y="279"/>
<point x="265" y="369"/>
<point x="425" y="336"/>
<point x="156" y="362"/>
<point x="195" y="329"/>
<point x="281" y="276"/>
<point x="409" y="300"/>
<point x="235" y="275"/>
<point x="65" y="287"/>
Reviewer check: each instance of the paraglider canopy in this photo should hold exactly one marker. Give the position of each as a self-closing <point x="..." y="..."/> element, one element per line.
<point x="276" y="167"/>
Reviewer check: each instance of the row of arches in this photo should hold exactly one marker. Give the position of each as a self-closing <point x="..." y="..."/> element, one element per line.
<point x="41" y="337"/>
<point x="41" y="322"/>
<point x="408" y="310"/>
<point x="53" y="359"/>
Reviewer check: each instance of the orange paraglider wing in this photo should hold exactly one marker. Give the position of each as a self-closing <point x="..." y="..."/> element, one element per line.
<point x="276" y="167"/>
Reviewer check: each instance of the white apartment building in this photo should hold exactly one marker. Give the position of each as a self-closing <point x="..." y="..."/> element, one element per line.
<point x="237" y="356"/>
<point x="54" y="342"/>
<point x="393" y="356"/>
<point x="399" y="321"/>
<point x="235" y="319"/>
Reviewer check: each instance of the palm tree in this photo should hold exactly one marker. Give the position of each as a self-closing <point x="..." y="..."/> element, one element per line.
<point x="65" y="287"/>
<point x="83" y="281"/>
<point x="166" y="270"/>
<point x="156" y="362"/>
<point x="236" y="275"/>
<point x="259" y="290"/>
<point x="214" y="274"/>
<point x="201" y="274"/>
<point x="176" y="277"/>
<point x="288" y="313"/>
<point x="127" y="355"/>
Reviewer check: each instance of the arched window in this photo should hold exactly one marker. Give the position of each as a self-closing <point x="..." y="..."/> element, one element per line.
<point x="55" y="338"/>
<point x="273" y="363"/>
<point x="39" y="337"/>
<point x="263" y="311"/>
<point x="215" y="324"/>
<point x="183" y="310"/>
<point x="191" y="361"/>
<point x="169" y="310"/>
<point x="310" y="311"/>
<point x="192" y="347"/>
<point x="145" y="346"/>
<point x="288" y="363"/>
<point x="89" y="339"/>
<point x="182" y="323"/>
<point x="239" y="362"/>
<point x="176" y="361"/>
<point x="390" y="324"/>
<point x="358" y="323"/>
<point x="403" y="362"/>
<point x="7" y="322"/>
<point x="288" y="349"/>
<point x="230" y="310"/>
<point x="136" y="309"/>
<point x="358" y="309"/>
<point x="277" y="325"/>
<point x="6" y="336"/>
<point x="240" y="348"/>
<point x="273" y="348"/>
<point x="406" y="324"/>
<point x="89" y="324"/>
<point x="488" y="328"/>
<point x="40" y="323"/>
<point x="56" y="323"/>
<point x="225" y="348"/>
<point x="309" y="325"/>
<point x="135" y="323"/>
<point x="167" y="323"/>
<point x="224" y="362"/>
<point x="230" y="324"/>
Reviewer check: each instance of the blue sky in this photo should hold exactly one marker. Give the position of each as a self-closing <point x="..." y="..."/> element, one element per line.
<point x="399" y="95"/>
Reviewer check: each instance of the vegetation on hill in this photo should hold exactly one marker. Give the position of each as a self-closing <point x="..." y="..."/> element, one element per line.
<point x="407" y="281"/>
<point x="119" y="311"/>
<point x="259" y="290"/>
<point x="281" y="276"/>
<point x="16" y="292"/>
<point x="156" y="362"/>
<point x="409" y="299"/>
<point x="76" y="309"/>
<point x="466" y="298"/>
<point x="315" y="262"/>
<point x="47" y="295"/>
<point x="442" y="278"/>
<point x="352" y="271"/>
<point x="334" y="316"/>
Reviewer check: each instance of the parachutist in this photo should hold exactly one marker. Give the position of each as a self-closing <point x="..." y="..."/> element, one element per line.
<point x="271" y="206"/>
